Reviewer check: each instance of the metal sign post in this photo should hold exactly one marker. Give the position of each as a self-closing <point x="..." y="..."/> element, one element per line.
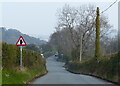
<point x="21" y="42"/>
<point x="20" y="58"/>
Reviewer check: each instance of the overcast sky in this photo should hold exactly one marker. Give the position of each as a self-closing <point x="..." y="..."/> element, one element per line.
<point x="39" y="18"/>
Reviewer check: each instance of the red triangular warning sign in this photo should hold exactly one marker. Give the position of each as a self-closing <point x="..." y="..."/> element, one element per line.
<point x="21" y="42"/>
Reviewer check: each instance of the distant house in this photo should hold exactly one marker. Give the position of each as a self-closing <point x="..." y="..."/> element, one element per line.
<point x="42" y="56"/>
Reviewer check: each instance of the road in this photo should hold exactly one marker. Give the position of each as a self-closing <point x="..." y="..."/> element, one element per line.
<point x="58" y="75"/>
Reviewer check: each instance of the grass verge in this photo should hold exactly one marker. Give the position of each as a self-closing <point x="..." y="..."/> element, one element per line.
<point x="18" y="77"/>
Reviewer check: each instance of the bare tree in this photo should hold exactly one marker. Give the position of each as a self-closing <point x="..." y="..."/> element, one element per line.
<point x="77" y="29"/>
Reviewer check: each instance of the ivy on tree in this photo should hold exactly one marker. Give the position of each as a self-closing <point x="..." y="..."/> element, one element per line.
<point x="97" y="40"/>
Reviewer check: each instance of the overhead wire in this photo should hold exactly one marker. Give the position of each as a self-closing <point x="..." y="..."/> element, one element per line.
<point x="109" y="6"/>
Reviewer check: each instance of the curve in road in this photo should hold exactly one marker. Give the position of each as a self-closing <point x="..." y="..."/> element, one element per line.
<point x="58" y="75"/>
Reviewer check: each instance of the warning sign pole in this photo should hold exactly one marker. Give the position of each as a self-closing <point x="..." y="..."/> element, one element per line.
<point x="21" y="42"/>
<point x="20" y="58"/>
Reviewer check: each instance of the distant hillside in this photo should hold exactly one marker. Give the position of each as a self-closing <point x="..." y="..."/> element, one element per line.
<point x="11" y="36"/>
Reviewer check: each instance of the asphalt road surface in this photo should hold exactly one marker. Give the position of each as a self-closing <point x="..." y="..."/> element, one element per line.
<point x="58" y="75"/>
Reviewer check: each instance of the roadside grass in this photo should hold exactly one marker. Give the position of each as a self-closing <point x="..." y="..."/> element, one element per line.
<point x="0" y="77"/>
<point x="18" y="77"/>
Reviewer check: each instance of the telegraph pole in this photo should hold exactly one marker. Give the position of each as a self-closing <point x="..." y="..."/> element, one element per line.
<point x="80" y="59"/>
<point x="97" y="40"/>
